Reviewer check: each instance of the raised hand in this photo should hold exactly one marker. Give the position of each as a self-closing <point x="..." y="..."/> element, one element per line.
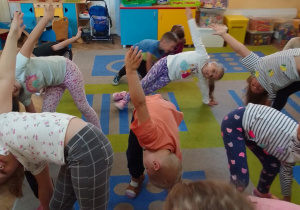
<point x="188" y="13"/>
<point x="16" y="26"/>
<point x="79" y="32"/>
<point x="49" y="12"/>
<point x="133" y="59"/>
<point x="219" y="29"/>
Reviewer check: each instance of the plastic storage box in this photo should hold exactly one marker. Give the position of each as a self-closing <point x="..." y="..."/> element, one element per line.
<point x="209" y="16"/>
<point x="260" y="24"/>
<point x="285" y="29"/>
<point x="237" y="26"/>
<point x="210" y="40"/>
<point x="259" y="37"/>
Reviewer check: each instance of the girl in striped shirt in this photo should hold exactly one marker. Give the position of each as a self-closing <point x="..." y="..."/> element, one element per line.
<point x="269" y="74"/>
<point x="272" y="137"/>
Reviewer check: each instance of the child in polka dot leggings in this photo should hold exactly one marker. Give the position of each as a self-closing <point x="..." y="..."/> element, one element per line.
<point x="271" y="136"/>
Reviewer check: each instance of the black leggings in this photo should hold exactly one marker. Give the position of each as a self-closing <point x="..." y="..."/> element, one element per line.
<point x="141" y="69"/>
<point x="134" y="155"/>
<point x="283" y="95"/>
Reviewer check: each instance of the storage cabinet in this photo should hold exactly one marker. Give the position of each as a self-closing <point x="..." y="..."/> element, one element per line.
<point x="169" y="17"/>
<point x="138" y="24"/>
<point x="69" y="10"/>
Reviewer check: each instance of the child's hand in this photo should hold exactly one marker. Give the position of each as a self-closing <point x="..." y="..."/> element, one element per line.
<point x="79" y="32"/>
<point x="133" y="59"/>
<point x="188" y="13"/>
<point x="219" y="29"/>
<point x="16" y="27"/>
<point x="49" y="12"/>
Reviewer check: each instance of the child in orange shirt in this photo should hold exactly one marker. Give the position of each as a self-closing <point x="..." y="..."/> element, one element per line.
<point x="154" y="129"/>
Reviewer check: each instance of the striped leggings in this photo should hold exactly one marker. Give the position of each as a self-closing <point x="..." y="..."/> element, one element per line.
<point x="85" y="176"/>
<point x="235" y="143"/>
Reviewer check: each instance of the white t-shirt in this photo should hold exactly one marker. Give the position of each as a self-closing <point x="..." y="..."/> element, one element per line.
<point x="34" y="138"/>
<point x="37" y="72"/>
<point x="186" y="64"/>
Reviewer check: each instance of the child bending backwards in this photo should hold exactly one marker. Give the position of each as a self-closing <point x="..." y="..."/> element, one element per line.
<point x="153" y="50"/>
<point x="32" y="140"/>
<point x="181" y="66"/>
<point x="55" y="73"/>
<point x="274" y="139"/>
<point x="154" y="139"/>
<point x="213" y="194"/>
<point x="56" y="48"/>
<point x="269" y="74"/>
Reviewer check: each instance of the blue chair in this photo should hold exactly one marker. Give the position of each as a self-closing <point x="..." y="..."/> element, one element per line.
<point x="48" y="35"/>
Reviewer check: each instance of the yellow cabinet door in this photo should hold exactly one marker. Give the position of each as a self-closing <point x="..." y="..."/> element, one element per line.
<point x="169" y="17"/>
<point x="39" y="9"/>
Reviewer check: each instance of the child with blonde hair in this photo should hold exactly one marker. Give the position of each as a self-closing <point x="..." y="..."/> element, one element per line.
<point x="180" y="66"/>
<point x="55" y="73"/>
<point x="217" y="195"/>
<point x="153" y="142"/>
<point x="32" y="140"/>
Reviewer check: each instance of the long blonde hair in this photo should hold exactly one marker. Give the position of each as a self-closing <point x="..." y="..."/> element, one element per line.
<point x="206" y="195"/>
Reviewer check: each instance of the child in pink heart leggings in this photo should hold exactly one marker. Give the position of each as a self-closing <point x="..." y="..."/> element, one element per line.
<point x="54" y="73"/>
<point x="271" y="136"/>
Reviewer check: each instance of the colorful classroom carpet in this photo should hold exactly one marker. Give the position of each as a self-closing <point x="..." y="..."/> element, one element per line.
<point x="200" y="130"/>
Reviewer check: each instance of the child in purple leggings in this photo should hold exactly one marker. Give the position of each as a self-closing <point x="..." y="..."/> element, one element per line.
<point x="55" y="73"/>
<point x="271" y="136"/>
<point x="180" y="66"/>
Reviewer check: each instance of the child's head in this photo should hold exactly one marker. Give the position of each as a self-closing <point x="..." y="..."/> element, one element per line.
<point x="11" y="173"/>
<point x="168" y="42"/>
<point x="17" y="89"/>
<point x="163" y="168"/>
<point x="206" y="194"/>
<point x="213" y="70"/>
<point x="179" y="31"/>
<point x="255" y="93"/>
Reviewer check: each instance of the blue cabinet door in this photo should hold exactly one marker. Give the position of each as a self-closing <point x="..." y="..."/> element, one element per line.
<point x="69" y="10"/>
<point x="137" y="25"/>
<point x="29" y="17"/>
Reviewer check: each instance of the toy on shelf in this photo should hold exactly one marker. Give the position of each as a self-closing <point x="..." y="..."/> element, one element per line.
<point x="260" y="24"/>
<point x="284" y="31"/>
<point x="219" y="4"/>
<point x="258" y="37"/>
<point x="185" y="3"/>
<point x="84" y="15"/>
<point x="208" y="17"/>
<point x="133" y="3"/>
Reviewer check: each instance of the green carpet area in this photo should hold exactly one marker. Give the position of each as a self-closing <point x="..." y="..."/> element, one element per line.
<point x="203" y="128"/>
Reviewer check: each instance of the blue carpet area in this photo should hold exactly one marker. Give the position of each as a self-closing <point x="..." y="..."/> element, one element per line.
<point x="145" y="197"/>
<point x="109" y="65"/>
<point x="231" y="61"/>
<point x="296" y="174"/>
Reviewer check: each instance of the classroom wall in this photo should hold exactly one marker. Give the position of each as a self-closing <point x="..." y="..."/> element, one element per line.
<point x="264" y="4"/>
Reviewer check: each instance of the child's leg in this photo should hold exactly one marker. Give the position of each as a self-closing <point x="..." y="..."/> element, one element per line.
<point x="122" y="72"/>
<point x="85" y="177"/>
<point x="155" y="79"/>
<point x="271" y="166"/>
<point x="52" y="98"/>
<point x="74" y="83"/>
<point x="142" y="69"/>
<point x="234" y="142"/>
<point x="134" y="156"/>
<point x="283" y="95"/>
